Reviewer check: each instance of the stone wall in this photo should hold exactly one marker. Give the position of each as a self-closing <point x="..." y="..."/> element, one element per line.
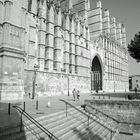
<point x="50" y="84"/>
<point x="122" y="111"/>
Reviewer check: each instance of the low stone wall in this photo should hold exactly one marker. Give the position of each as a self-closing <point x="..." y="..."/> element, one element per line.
<point x="118" y="104"/>
<point x="123" y="111"/>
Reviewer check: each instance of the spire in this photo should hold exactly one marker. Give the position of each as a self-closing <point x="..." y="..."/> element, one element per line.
<point x="99" y="4"/>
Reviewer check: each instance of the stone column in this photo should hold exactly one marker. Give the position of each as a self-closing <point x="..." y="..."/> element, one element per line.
<point x="113" y="28"/>
<point x="1" y="11"/>
<point x="87" y="41"/>
<point x="123" y="36"/>
<point x="49" y="49"/>
<point x="58" y="41"/>
<point x="67" y="50"/>
<point x="77" y="43"/>
<point x="7" y="20"/>
<point x="41" y="34"/>
<point x="41" y="42"/>
<point x="72" y="44"/>
<point x="8" y="6"/>
<point x="106" y="22"/>
<point x="118" y="33"/>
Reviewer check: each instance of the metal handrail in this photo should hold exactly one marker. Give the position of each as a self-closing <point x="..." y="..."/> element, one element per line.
<point x="117" y="121"/>
<point x="67" y="103"/>
<point x="42" y="128"/>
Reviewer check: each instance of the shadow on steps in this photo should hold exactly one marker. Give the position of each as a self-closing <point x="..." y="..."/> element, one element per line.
<point x="85" y="134"/>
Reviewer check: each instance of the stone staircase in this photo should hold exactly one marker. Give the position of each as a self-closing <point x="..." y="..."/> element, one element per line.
<point x="73" y="127"/>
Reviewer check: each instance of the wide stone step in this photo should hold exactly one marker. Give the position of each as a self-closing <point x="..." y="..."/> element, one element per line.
<point x="51" y="117"/>
<point x="69" y="127"/>
<point x="86" y="132"/>
<point x="60" y="127"/>
<point x="82" y="124"/>
<point x="51" y="122"/>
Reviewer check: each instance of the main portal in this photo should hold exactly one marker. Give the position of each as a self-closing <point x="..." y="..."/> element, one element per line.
<point x="96" y="74"/>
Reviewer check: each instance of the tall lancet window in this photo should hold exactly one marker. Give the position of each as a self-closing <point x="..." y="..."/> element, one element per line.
<point x="37" y="9"/>
<point x="29" y="5"/>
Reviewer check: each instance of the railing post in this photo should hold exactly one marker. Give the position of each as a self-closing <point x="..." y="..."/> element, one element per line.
<point x="66" y="109"/>
<point x="9" y="109"/>
<point x="88" y="121"/>
<point x="24" y="106"/>
<point x="37" y="105"/>
<point x="51" y="137"/>
<point x="110" y="135"/>
<point x="21" y="122"/>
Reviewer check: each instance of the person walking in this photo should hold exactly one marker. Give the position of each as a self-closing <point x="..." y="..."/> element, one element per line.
<point x="74" y="93"/>
<point x="97" y="87"/>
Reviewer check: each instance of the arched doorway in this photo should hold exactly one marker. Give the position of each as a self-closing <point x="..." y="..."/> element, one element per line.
<point x="96" y="74"/>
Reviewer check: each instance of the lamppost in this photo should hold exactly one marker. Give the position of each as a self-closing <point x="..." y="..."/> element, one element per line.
<point x="34" y="79"/>
<point x="36" y="66"/>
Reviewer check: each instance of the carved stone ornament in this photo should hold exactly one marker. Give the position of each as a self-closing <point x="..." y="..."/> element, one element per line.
<point x="42" y="1"/>
<point x="65" y="14"/>
<point x="49" y="3"/>
<point x="57" y="7"/>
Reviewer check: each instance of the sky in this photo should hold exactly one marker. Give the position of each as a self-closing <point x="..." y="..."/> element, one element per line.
<point x="127" y="12"/>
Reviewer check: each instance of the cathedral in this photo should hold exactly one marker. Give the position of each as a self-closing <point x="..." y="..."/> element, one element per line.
<point x="50" y="47"/>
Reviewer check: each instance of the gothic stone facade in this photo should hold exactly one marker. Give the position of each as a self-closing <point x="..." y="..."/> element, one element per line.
<point x="72" y="46"/>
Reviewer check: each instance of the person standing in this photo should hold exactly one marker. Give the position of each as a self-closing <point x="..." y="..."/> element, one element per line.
<point x="97" y="87"/>
<point x="74" y="93"/>
<point x="78" y="94"/>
